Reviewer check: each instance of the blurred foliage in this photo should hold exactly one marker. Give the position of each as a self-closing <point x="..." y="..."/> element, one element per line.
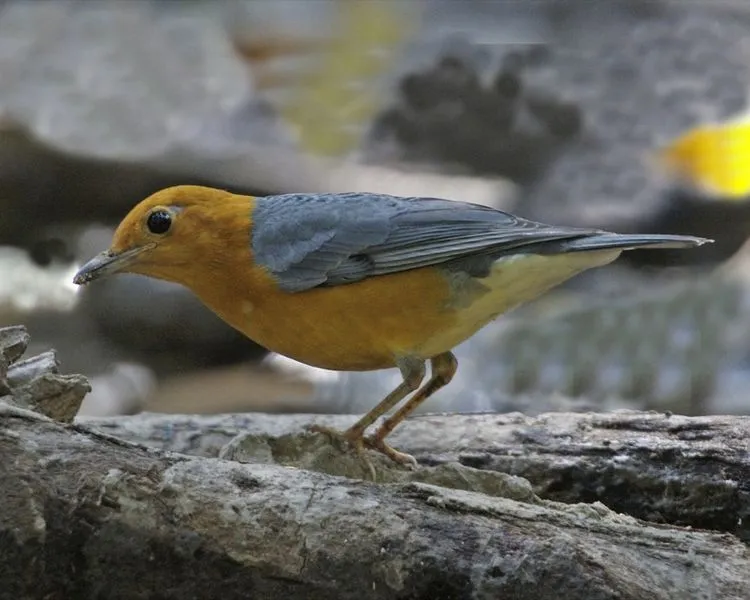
<point x="333" y="102"/>
<point x="337" y="101"/>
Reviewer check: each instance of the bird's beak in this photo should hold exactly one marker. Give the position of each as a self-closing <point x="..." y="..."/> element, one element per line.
<point x="108" y="263"/>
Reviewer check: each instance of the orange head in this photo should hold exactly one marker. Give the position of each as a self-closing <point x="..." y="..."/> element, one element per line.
<point x="178" y="234"/>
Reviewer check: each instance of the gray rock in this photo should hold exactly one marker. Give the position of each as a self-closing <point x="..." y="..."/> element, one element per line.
<point x="117" y="80"/>
<point x="639" y="84"/>
<point x="35" y="383"/>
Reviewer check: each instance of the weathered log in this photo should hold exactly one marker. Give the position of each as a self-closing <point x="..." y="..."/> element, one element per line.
<point x="659" y="467"/>
<point x="13" y="342"/>
<point x="88" y="516"/>
<point x="36" y="382"/>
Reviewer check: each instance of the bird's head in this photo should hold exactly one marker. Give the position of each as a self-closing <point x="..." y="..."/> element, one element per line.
<point x="176" y="234"/>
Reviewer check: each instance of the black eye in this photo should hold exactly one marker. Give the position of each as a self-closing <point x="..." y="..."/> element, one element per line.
<point x="159" y="222"/>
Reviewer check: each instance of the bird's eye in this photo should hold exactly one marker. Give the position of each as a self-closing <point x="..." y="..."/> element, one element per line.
<point x="159" y="222"/>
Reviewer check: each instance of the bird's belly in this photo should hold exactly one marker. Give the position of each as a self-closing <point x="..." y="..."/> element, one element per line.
<point x="512" y="281"/>
<point x="368" y="325"/>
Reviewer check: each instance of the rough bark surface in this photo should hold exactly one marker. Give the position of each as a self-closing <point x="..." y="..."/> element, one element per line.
<point x="178" y="507"/>
<point x="692" y="471"/>
<point x="88" y="516"/>
<point x="36" y="382"/>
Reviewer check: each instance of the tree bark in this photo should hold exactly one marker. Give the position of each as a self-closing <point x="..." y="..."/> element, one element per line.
<point x="188" y="507"/>
<point x="88" y="516"/>
<point x="690" y="471"/>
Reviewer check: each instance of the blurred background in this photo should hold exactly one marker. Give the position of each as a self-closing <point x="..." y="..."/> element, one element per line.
<point x="628" y="115"/>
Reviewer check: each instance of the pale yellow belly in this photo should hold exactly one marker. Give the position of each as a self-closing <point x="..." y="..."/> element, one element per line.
<point x="512" y="282"/>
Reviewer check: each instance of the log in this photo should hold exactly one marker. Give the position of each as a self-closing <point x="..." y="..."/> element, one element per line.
<point x="664" y="468"/>
<point x="257" y="506"/>
<point x="91" y="516"/>
<point x="36" y="382"/>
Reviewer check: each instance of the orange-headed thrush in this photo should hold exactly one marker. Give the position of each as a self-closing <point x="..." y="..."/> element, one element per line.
<point x="356" y="281"/>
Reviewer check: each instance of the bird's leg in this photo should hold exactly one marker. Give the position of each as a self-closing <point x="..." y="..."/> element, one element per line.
<point x="443" y="369"/>
<point x="413" y="371"/>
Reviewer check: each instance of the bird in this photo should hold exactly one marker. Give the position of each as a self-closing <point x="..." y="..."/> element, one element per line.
<point x="356" y="281"/>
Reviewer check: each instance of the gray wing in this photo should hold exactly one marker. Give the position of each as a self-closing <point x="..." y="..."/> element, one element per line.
<point x="309" y="240"/>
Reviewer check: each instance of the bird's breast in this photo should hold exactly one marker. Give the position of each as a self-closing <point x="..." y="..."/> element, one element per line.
<point x="365" y="325"/>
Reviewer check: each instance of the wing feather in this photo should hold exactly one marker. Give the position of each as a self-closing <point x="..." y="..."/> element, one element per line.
<point x="311" y="240"/>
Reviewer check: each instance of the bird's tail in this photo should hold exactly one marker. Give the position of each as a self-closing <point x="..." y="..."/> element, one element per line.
<point x="623" y="241"/>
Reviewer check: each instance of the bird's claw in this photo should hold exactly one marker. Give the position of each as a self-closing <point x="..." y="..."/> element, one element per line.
<point x="356" y="441"/>
<point x="375" y="443"/>
<point x="349" y="439"/>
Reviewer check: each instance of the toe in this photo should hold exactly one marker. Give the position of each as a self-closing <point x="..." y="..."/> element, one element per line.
<point x="407" y="460"/>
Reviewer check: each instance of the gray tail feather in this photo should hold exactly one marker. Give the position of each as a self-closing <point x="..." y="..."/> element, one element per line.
<point x="605" y="241"/>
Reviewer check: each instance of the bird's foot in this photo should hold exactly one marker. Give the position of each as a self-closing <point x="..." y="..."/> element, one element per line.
<point x="350" y="438"/>
<point x="375" y="443"/>
<point x="355" y="440"/>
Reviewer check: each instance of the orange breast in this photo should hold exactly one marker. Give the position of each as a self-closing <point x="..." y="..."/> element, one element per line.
<point x="359" y="326"/>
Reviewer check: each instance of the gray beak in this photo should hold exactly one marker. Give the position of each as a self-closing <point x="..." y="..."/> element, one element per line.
<point x="107" y="263"/>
